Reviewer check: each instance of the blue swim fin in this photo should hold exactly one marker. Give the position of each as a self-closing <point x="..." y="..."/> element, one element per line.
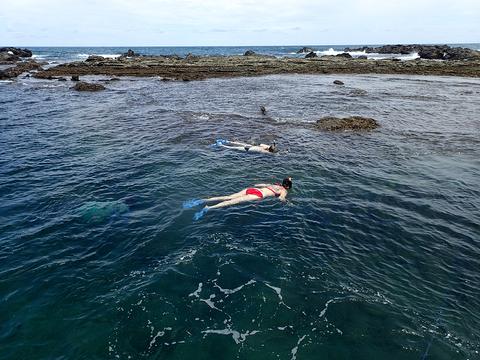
<point x="198" y="215"/>
<point x="192" y="203"/>
<point x="220" y="142"/>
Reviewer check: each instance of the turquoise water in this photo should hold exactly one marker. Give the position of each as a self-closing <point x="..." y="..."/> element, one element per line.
<point x="375" y="256"/>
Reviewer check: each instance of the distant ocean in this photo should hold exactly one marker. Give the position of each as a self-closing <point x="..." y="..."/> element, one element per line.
<point x="376" y="255"/>
<point x="64" y="54"/>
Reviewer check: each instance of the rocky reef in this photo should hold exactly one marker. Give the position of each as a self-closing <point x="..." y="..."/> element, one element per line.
<point x="20" y="68"/>
<point x="437" y="52"/>
<point x="354" y="123"/>
<point x="173" y="67"/>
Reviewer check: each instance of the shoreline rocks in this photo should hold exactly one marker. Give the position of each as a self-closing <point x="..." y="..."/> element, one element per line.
<point x="305" y="50"/>
<point x="19" y="69"/>
<point x="354" y="123"/>
<point x="9" y="55"/>
<point x="204" y="67"/>
<point x="436" y="52"/>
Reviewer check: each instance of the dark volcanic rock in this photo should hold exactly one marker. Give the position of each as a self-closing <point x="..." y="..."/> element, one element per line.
<point x="433" y="52"/>
<point x="62" y="79"/>
<point x="311" y="55"/>
<point x="305" y="50"/>
<point x="461" y="54"/>
<point x="331" y="123"/>
<point x="345" y="55"/>
<point x="191" y="57"/>
<point x="24" y="53"/>
<point x="338" y="82"/>
<point x="130" y="53"/>
<point x="250" y="53"/>
<point x="75" y="78"/>
<point x="84" y="86"/>
<point x="263" y="110"/>
<point x="7" y="58"/>
<point x="362" y="57"/>
<point x="93" y="58"/>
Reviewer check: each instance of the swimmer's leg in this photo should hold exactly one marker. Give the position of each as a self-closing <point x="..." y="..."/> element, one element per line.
<point x="241" y="148"/>
<point x="223" y="198"/>
<point x="234" y="201"/>
<point x="239" y="143"/>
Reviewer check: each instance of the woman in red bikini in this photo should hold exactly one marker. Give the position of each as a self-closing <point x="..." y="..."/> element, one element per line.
<point x="258" y="192"/>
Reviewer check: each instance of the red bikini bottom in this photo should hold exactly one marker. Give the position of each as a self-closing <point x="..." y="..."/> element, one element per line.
<point x="253" y="191"/>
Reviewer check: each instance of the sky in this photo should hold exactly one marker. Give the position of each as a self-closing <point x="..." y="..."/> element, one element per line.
<point x="237" y="22"/>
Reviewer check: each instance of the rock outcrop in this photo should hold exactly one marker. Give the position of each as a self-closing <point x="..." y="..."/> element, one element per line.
<point x="10" y="55"/>
<point x="19" y="69"/>
<point x="130" y="53"/>
<point x="84" y="86"/>
<point x="93" y="58"/>
<point x="311" y="55"/>
<point x="338" y="82"/>
<point x="331" y="123"/>
<point x="250" y="53"/>
<point x="432" y="52"/>
<point x="344" y="55"/>
<point x="305" y="50"/>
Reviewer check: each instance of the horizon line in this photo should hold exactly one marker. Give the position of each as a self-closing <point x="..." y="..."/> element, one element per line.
<point x="243" y="46"/>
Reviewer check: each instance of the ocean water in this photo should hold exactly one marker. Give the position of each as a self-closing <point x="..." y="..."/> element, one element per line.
<point x="55" y="55"/>
<point x="375" y="256"/>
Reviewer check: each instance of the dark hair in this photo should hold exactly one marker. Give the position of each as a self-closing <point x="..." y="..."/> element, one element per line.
<point x="287" y="183"/>
<point x="272" y="148"/>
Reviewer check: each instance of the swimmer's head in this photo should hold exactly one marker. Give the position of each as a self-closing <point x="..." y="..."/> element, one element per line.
<point x="287" y="183"/>
<point x="272" y="148"/>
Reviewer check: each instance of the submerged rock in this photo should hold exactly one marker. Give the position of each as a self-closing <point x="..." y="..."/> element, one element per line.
<point x="263" y="110"/>
<point x="331" y="123"/>
<point x="75" y="78"/>
<point x="101" y="211"/>
<point x="84" y="86"/>
<point x="338" y="82"/>
<point x="311" y="55"/>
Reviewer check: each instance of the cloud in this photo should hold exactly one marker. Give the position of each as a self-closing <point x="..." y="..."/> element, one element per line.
<point x="237" y="22"/>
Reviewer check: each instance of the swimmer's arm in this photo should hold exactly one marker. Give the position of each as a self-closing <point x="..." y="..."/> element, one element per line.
<point x="262" y="185"/>
<point x="283" y="196"/>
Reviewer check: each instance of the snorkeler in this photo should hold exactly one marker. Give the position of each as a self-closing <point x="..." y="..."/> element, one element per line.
<point x="258" y="192"/>
<point x="234" y="145"/>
